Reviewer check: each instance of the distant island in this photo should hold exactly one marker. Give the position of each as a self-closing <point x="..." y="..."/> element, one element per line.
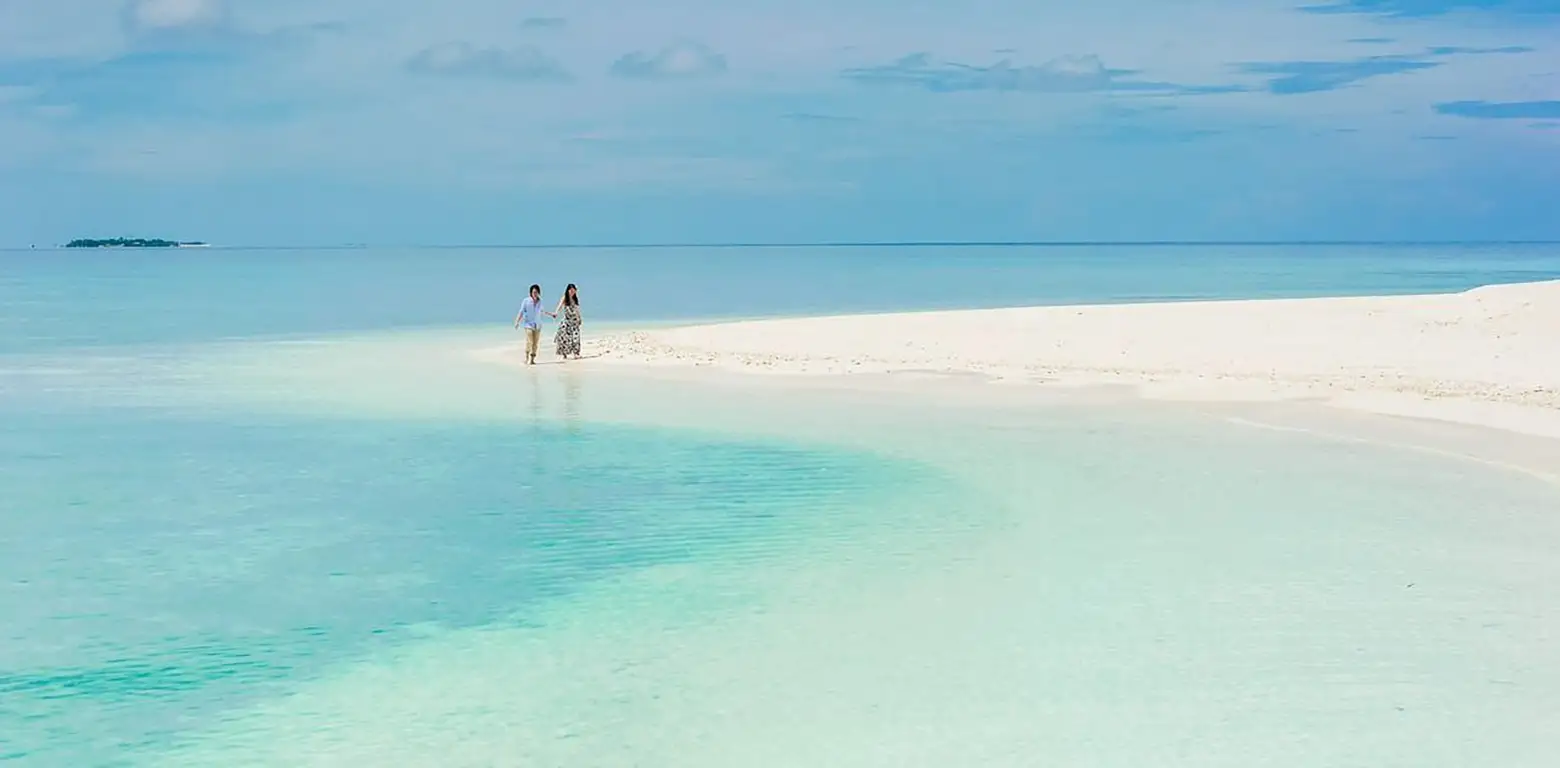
<point x="131" y="242"/>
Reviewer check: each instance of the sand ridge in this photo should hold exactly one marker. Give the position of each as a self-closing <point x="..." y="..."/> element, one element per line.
<point x="1490" y="355"/>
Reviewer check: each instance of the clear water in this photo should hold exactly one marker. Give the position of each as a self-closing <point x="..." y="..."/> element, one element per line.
<point x="96" y="297"/>
<point x="158" y="566"/>
<point x="372" y="550"/>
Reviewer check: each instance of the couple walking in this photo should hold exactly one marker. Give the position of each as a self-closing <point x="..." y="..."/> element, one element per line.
<point x="568" y="337"/>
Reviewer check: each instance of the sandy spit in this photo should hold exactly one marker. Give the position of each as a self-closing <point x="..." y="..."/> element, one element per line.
<point x="1488" y="356"/>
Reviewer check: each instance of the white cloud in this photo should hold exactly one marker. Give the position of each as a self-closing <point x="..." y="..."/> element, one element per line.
<point x="354" y="116"/>
<point x="682" y="60"/>
<point x="164" y="15"/>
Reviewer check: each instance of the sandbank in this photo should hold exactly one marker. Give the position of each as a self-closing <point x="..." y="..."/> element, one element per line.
<point x="1488" y="356"/>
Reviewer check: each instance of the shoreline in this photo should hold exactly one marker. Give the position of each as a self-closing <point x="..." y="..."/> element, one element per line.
<point x="1485" y="357"/>
<point x="1089" y="557"/>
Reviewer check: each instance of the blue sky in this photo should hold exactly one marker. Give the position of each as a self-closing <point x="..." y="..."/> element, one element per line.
<point x="487" y="121"/>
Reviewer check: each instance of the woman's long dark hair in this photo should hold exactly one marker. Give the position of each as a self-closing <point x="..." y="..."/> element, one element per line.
<point x="571" y="296"/>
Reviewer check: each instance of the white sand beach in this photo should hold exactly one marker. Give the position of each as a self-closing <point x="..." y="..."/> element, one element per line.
<point x="1489" y="356"/>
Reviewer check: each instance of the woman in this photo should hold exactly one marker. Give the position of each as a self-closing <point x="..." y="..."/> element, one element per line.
<point x="568" y="338"/>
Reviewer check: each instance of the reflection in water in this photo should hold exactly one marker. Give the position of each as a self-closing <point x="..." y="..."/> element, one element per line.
<point x="573" y="383"/>
<point x="555" y="396"/>
<point x="535" y="384"/>
<point x="571" y="433"/>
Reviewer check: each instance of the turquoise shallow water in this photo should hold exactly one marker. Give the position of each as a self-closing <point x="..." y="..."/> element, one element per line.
<point x="371" y="549"/>
<point x="157" y="568"/>
<point x="1108" y="584"/>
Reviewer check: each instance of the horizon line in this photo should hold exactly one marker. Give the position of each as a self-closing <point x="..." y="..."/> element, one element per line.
<point x="836" y="244"/>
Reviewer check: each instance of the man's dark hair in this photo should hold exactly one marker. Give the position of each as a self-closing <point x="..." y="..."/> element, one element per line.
<point x="535" y="289"/>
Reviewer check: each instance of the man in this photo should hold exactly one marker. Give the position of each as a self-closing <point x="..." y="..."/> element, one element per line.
<point x="531" y="317"/>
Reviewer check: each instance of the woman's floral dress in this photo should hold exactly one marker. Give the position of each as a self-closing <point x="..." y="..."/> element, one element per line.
<point x="568" y="338"/>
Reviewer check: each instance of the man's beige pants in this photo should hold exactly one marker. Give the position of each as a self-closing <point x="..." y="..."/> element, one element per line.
<point x="533" y="339"/>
